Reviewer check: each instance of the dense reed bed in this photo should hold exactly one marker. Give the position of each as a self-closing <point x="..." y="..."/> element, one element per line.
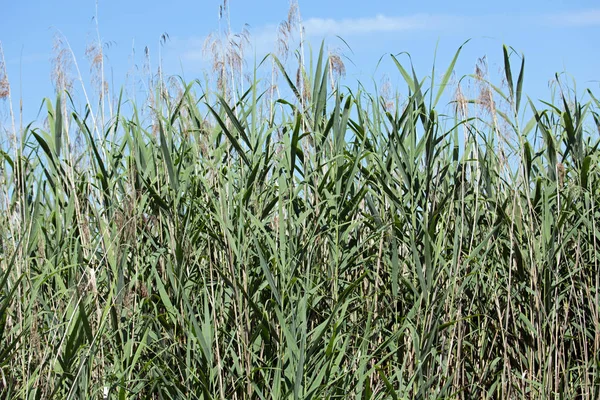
<point x="330" y="244"/>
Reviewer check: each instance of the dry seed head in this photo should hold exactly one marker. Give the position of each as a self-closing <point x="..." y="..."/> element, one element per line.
<point x="460" y="102"/>
<point x="4" y="85"/>
<point x="336" y="64"/>
<point x="235" y="57"/>
<point x="481" y="69"/>
<point x="61" y="65"/>
<point x="385" y="94"/>
<point x="235" y="50"/>
<point x="487" y="103"/>
<point x="286" y="28"/>
<point x="485" y="98"/>
<point x="213" y="48"/>
<point x="176" y="92"/>
<point x="210" y="47"/>
<point x="95" y="56"/>
<point x="294" y="13"/>
<point x="283" y="37"/>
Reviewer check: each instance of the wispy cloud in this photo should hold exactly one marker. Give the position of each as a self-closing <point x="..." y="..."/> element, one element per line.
<point x="583" y="18"/>
<point x="380" y="24"/>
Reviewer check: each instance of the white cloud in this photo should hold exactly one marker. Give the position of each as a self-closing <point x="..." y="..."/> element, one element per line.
<point x="379" y="24"/>
<point x="264" y="38"/>
<point x="575" y="18"/>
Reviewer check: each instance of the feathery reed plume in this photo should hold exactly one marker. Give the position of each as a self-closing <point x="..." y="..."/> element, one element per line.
<point x="95" y="55"/>
<point x="4" y="84"/>
<point x="487" y="104"/>
<point x="461" y="104"/>
<point x="5" y="95"/>
<point x="337" y="69"/>
<point x="62" y="64"/>
<point x="226" y="51"/>
<point x="385" y="94"/>
<point x="285" y="34"/>
<point x="485" y="98"/>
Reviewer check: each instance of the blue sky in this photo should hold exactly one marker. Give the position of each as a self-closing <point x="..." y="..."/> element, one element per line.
<point x="555" y="36"/>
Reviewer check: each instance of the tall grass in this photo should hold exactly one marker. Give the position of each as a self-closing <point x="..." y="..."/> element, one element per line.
<point x="324" y="246"/>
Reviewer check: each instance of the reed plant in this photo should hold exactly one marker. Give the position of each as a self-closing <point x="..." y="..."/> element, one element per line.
<point x="331" y="244"/>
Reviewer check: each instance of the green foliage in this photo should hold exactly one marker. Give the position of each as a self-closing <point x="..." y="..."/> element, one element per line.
<point x="336" y="248"/>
